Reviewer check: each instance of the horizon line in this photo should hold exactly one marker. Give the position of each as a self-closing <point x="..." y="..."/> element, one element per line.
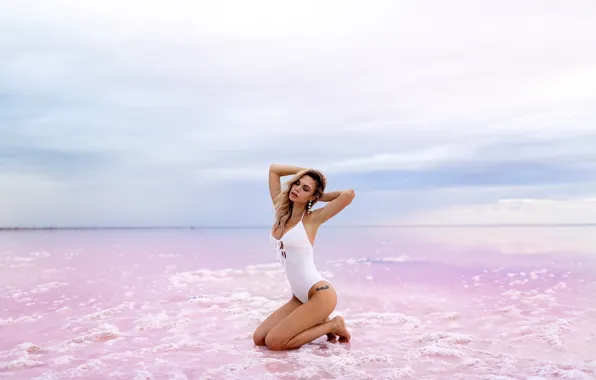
<point x="460" y="225"/>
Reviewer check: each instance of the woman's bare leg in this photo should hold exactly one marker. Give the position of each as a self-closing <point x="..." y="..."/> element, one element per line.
<point x="335" y="326"/>
<point x="274" y="319"/>
<point x="304" y="325"/>
<point x="330" y="336"/>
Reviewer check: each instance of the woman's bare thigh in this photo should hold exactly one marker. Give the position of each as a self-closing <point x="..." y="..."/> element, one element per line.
<point x="320" y="305"/>
<point x="321" y="286"/>
<point x="274" y="319"/>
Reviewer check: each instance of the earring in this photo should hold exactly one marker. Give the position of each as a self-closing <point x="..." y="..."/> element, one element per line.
<point x="308" y="207"/>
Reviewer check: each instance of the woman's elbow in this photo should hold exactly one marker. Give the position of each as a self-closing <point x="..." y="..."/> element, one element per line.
<point x="350" y="194"/>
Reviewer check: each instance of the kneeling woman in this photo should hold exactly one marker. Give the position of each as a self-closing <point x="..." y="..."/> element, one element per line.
<point x="305" y="317"/>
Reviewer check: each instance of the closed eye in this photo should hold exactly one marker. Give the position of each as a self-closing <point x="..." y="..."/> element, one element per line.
<point x="305" y="187"/>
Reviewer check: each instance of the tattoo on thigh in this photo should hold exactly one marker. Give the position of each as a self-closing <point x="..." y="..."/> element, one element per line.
<point x="323" y="287"/>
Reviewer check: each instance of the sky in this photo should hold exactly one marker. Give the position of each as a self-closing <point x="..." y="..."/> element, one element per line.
<point x="130" y="113"/>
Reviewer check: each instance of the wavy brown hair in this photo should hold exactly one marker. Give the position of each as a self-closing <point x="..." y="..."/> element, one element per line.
<point x="284" y="206"/>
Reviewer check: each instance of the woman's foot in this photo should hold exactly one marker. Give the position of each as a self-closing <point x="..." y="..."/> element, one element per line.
<point x="331" y="338"/>
<point x="339" y="329"/>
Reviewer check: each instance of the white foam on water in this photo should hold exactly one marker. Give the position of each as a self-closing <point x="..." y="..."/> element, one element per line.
<point x="398" y="373"/>
<point x="24" y="319"/>
<point x="28" y="347"/>
<point x="63" y="360"/>
<point x="566" y="373"/>
<point x="373" y="260"/>
<point x="432" y="350"/>
<point x="446" y="338"/>
<point x="84" y="370"/>
<point x="42" y="288"/>
<point x="143" y="375"/>
<point x="102" y="333"/>
<point x="183" y="279"/>
<point x="20" y="363"/>
<point x="449" y="315"/>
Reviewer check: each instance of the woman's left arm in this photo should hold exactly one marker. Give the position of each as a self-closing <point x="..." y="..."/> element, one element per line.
<point x="338" y="200"/>
<point x="328" y="197"/>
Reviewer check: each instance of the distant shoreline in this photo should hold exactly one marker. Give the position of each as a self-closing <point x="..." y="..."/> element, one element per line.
<point x="13" y="229"/>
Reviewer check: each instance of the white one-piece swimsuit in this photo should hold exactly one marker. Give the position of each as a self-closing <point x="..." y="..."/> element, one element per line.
<point x="295" y="252"/>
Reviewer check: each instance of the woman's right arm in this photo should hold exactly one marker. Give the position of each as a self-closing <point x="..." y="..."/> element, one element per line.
<point x="277" y="171"/>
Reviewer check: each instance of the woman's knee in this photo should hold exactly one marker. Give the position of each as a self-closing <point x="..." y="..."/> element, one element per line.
<point x="275" y="342"/>
<point x="258" y="339"/>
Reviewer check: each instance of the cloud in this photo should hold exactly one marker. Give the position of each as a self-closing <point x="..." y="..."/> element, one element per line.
<point x="199" y="98"/>
<point x="414" y="160"/>
<point x="536" y="161"/>
<point x="55" y="163"/>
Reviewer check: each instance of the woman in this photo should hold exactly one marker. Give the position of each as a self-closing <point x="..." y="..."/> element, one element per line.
<point x="304" y="317"/>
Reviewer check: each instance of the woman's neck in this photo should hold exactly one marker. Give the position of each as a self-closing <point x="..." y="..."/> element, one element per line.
<point x="298" y="210"/>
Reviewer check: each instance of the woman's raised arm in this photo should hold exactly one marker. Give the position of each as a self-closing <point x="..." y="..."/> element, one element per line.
<point x="276" y="171"/>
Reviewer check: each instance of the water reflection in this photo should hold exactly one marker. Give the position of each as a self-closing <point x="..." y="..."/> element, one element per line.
<point x="514" y="240"/>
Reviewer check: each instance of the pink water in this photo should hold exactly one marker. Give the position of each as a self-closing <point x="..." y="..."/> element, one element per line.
<point x="451" y="303"/>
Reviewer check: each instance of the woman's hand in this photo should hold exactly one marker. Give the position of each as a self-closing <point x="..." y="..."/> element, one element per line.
<point x="275" y="173"/>
<point x="283" y="170"/>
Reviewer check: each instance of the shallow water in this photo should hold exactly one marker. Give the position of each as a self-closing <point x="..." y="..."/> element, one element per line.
<point x="420" y="303"/>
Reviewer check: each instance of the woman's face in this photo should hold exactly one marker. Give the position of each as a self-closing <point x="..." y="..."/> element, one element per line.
<point x="303" y="189"/>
